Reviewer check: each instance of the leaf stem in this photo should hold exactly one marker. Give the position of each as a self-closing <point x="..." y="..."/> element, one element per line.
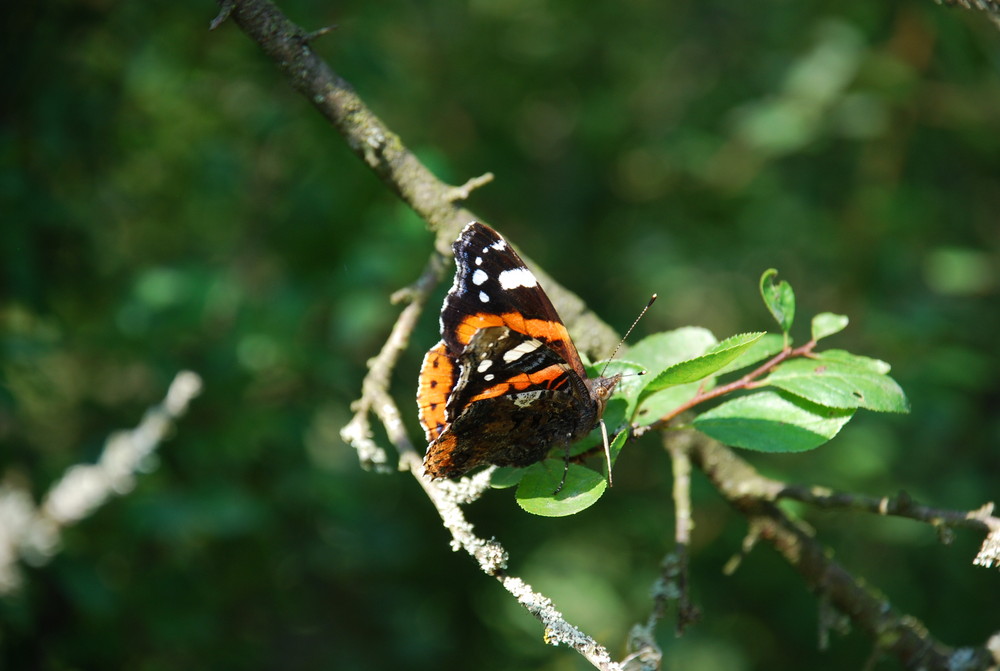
<point x="748" y="381"/>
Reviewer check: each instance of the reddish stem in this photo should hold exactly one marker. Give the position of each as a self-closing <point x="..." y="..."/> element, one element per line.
<point x="748" y="381"/>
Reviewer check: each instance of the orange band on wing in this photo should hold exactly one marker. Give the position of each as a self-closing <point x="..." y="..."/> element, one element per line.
<point x="551" y="377"/>
<point x="549" y="332"/>
<point x="437" y="376"/>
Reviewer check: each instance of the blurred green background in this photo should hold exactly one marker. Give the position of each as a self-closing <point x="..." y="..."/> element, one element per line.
<point x="168" y="202"/>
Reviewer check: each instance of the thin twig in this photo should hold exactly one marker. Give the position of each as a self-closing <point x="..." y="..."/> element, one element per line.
<point x="901" y="505"/>
<point x="463" y="192"/>
<point x="320" y="32"/>
<point x="687" y="613"/>
<point x="375" y="396"/>
<point x="900" y="634"/>
<point x="225" y="11"/>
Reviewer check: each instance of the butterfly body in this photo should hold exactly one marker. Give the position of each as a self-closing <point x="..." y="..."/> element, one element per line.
<point x="505" y="384"/>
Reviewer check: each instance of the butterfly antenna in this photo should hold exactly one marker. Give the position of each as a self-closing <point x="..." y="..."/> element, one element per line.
<point x="652" y="300"/>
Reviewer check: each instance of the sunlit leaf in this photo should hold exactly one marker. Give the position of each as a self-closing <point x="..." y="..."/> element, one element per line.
<point x="661" y="350"/>
<point x="839" y="385"/>
<point x="658" y="404"/>
<point x="779" y="298"/>
<point x="700" y="367"/>
<point x="772" y="422"/>
<point x="582" y="489"/>
<point x="826" y="324"/>
<point x="866" y="362"/>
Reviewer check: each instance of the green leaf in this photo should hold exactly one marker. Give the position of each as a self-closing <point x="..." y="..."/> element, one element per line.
<point x="769" y="345"/>
<point x="661" y="350"/>
<point x="700" y="367"/>
<point x="772" y="422"/>
<point x="658" y="404"/>
<point x="582" y="489"/>
<point x="779" y="298"/>
<point x="826" y="324"/>
<point x="866" y="362"/>
<point x="506" y="476"/>
<point x="836" y="384"/>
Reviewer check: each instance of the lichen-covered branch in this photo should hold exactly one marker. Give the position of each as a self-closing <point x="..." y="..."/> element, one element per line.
<point x="492" y="559"/>
<point x="901" y="505"/>
<point x="375" y="396"/>
<point x="34" y="533"/>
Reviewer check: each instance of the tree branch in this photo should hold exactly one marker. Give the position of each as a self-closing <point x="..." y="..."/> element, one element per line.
<point x="902" y="635"/>
<point x="34" y="533"/>
<point x="385" y="154"/>
<point x="901" y="505"/>
<point x="369" y="138"/>
<point x="375" y="396"/>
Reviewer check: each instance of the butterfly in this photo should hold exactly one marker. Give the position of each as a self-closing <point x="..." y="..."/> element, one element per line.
<point x="505" y="384"/>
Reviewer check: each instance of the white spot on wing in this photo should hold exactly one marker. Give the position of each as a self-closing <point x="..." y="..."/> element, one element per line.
<point x="479" y="277"/>
<point x="516" y="353"/>
<point x="483" y="297"/>
<point x="488" y="377"/>
<point x="484" y="365"/>
<point x="517" y="278"/>
<point x="499" y="245"/>
<point x="479" y="260"/>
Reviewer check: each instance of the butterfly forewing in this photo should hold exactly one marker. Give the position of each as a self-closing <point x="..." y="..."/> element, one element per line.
<point x="493" y="287"/>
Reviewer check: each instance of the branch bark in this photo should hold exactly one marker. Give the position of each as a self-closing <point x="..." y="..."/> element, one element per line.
<point x="369" y="138"/>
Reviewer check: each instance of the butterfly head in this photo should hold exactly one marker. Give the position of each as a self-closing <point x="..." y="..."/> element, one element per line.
<point x="601" y="389"/>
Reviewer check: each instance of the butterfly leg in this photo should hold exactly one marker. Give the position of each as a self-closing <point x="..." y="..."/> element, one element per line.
<point x="565" y="471"/>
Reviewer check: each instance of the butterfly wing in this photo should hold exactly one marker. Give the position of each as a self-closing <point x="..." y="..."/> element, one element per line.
<point x="438" y="376"/>
<point x="505" y="384"/>
<point x="493" y="287"/>
<point x="513" y="400"/>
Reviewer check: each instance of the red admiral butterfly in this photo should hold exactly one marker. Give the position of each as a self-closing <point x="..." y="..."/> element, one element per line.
<point x="506" y="383"/>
